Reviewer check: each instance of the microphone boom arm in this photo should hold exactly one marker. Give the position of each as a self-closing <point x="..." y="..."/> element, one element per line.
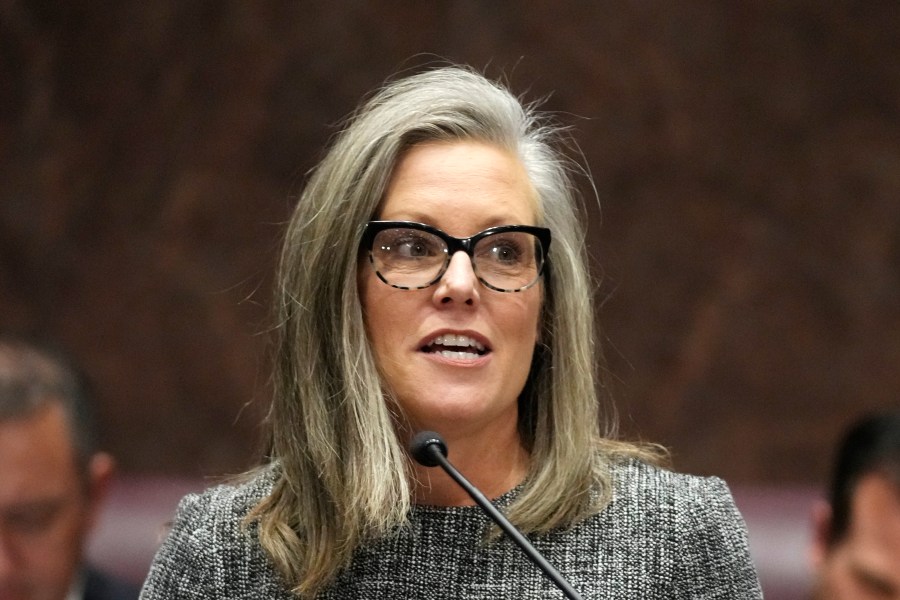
<point x="433" y="454"/>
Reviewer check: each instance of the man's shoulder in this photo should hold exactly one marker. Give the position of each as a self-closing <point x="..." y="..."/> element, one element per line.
<point x="101" y="586"/>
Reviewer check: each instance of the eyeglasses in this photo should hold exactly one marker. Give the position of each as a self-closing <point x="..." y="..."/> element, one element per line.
<point x="414" y="256"/>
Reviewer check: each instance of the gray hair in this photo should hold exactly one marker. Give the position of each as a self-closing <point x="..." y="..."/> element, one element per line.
<point x="344" y="475"/>
<point x="34" y="375"/>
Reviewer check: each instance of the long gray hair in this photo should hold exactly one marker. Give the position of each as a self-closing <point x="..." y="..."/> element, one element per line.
<point x="344" y="477"/>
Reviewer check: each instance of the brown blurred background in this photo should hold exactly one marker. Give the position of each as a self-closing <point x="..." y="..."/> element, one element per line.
<point x="746" y="156"/>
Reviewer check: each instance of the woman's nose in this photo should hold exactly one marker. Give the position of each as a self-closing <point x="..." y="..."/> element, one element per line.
<point x="459" y="284"/>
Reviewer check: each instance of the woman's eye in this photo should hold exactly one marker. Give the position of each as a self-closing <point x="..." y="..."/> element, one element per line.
<point x="411" y="245"/>
<point x="413" y="249"/>
<point x="505" y="252"/>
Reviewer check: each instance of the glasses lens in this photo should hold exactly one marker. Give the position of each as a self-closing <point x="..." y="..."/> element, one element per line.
<point x="509" y="261"/>
<point x="408" y="258"/>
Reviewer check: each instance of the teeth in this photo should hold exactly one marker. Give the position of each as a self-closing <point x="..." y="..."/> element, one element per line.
<point x="459" y="341"/>
<point x="458" y="355"/>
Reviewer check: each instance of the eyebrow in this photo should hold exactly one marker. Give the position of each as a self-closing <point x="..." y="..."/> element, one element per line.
<point x="874" y="580"/>
<point x="32" y="506"/>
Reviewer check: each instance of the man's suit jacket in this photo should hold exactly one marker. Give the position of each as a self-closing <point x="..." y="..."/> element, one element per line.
<point x="99" y="586"/>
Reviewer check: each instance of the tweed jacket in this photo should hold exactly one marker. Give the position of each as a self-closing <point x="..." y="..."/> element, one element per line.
<point x="663" y="535"/>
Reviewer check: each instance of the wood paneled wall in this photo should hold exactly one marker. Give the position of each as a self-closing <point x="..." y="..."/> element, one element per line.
<point x="745" y="155"/>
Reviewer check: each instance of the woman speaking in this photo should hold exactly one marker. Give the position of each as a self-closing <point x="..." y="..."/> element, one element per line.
<point x="433" y="277"/>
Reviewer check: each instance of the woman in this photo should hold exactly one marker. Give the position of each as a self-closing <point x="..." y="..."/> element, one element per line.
<point x="419" y="289"/>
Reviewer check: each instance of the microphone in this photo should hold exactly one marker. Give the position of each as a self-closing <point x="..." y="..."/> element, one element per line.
<point x="430" y="450"/>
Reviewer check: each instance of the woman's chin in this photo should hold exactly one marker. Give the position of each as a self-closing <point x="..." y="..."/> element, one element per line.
<point x="457" y="416"/>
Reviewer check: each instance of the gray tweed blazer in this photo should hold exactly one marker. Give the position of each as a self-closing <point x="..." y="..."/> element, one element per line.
<point x="664" y="535"/>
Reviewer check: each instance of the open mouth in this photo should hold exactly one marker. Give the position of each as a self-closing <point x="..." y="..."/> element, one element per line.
<point x="460" y="347"/>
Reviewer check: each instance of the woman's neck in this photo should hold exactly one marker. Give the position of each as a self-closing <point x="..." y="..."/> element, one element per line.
<point x="493" y="465"/>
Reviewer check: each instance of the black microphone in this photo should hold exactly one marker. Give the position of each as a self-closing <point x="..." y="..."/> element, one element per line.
<point x="429" y="450"/>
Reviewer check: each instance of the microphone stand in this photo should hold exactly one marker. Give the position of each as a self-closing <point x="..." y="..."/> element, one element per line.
<point x="429" y="449"/>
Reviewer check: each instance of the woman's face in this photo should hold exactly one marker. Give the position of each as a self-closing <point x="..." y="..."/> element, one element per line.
<point x="461" y="188"/>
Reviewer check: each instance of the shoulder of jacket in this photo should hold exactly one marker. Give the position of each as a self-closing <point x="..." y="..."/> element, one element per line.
<point x="227" y="502"/>
<point x="642" y="480"/>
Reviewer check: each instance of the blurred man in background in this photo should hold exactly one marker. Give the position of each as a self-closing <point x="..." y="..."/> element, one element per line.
<point x="52" y="479"/>
<point x="856" y="548"/>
